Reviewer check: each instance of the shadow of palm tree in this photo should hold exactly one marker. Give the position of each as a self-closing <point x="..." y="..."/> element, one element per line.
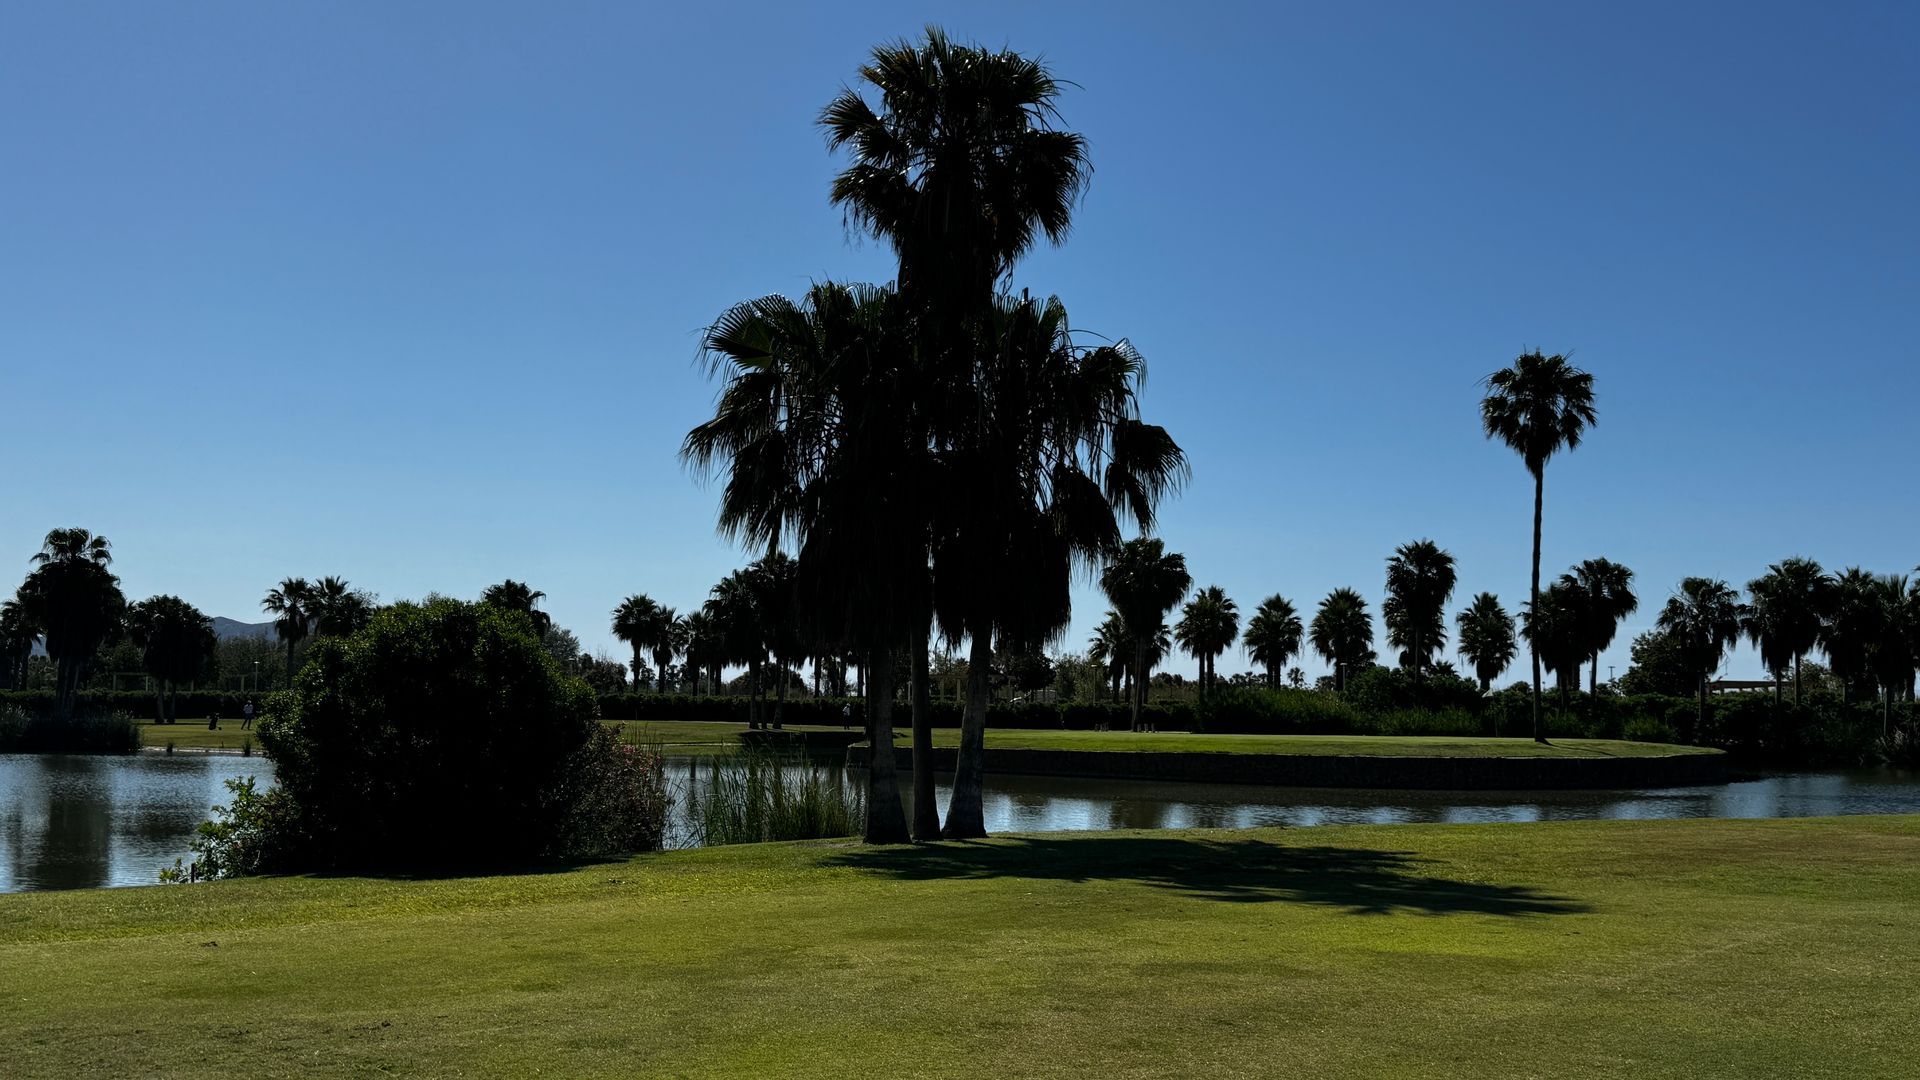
<point x="1358" y="881"/>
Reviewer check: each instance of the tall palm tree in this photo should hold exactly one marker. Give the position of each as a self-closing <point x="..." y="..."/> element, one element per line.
<point x="1420" y="580"/>
<point x="1556" y="628"/>
<point x="291" y="605"/>
<point x="74" y="603"/>
<point x="1788" y="606"/>
<point x="1042" y="455"/>
<point x="18" y="635"/>
<point x="1849" y="630"/>
<point x="775" y="581"/>
<point x="1486" y="638"/>
<point x="1704" y="618"/>
<point x="702" y="649"/>
<point x="1144" y="581"/>
<point x="1273" y="636"/>
<point x="823" y="434"/>
<point x="733" y="606"/>
<point x="1606" y="595"/>
<point x="1538" y="407"/>
<point x="512" y="595"/>
<point x="669" y="640"/>
<point x="1892" y="652"/>
<point x="338" y="609"/>
<point x="1342" y="633"/>
<point x="177" y="644"/>
<point x="1207" y="627"/>
<point x="636" y="623"/>
<point x="1108" y="650"/>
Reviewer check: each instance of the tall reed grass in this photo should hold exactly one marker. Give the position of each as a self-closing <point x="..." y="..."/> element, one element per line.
<point x="762" y="794"/>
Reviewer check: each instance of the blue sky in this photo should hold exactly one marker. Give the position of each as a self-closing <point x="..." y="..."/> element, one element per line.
<point x="411" y="293"/>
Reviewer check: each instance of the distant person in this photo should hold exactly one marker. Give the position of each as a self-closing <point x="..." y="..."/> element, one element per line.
<point x="213" y="720"/>
<point x="246" y="714"/>
<point x="846" y="716"/>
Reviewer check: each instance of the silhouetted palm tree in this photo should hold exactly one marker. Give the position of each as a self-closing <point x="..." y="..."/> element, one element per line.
<point x="1556" y="629"/>
<point x="703" y="651"/>
<point x="1538" y="407"/>
<point x="337" y="609"/>
<point x="1893" y="649"/>
<point x="636" y="623"/>
<point x="1144" y="581"/>
<point x="733" y="606"/>
<point x="511" y="595"/>
<point x="1207" y="627"/>
<point x="1486" y="638"/>
<point x="18" y="635"/>
<point x="1787" y="607"/>
<point x="177" y="645"/>
<point x="290" y="604"/>
<point x="1704" y="618"/>
<point x="669" y="640"/>
<point x="1606" y="598"/>
<point x="1851" y="627"/>
<point x="75" y="604"/>
<point x="1420" y="579"/>
<point x="1342" y="633"/>
<point x="1273" y="636"/>
<point x="1108" y="650"/>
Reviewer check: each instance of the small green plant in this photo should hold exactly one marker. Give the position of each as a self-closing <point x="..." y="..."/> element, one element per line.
<point x="169" y="746"/>
<point x="1649" y="729"/>
<point x="246" y="746"/>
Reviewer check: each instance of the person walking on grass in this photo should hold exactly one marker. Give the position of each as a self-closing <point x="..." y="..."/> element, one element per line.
<point x="246" y="716"/>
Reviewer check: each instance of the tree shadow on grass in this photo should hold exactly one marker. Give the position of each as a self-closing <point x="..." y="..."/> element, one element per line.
<point x="1358" y="881"/>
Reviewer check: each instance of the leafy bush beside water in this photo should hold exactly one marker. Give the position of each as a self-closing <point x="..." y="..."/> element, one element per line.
<point x="22" y="732"/>
<point x="441" y="735"/>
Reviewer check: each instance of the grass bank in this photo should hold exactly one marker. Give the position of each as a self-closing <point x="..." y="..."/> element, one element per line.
<point x="1325" y="745"/>
<point x="1604" y="949"/>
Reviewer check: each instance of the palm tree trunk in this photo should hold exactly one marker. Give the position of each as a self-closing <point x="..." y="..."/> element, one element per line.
<point x="1593" y="677"/>
<point x="289" y="663"/>
<point x="926" y="807"/>
<point x="1138" y="695"/>
<point x="1533" y="646"/>
<point x="660" y="675"/>
<point x="886" y="821"/>
<point x="779" y="692"/>
<point x="1796" y="680"/>
<point x="966" y="816"/>
<point x="1703" y="701"/>
<point x="753" y="694"/>
<point x="159" y="701"/>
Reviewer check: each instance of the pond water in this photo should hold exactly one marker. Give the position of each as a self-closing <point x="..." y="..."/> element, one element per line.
<point x="71" y="822"/>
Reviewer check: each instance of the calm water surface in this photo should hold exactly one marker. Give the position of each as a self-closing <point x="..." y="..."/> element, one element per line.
<point x="71" y="822"/>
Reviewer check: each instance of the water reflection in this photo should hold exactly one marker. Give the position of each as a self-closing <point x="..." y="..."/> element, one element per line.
<point x="72" y="822"/>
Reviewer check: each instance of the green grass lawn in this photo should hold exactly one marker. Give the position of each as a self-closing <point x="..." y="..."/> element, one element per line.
<point x="1591" y="949"/>
<point x="193" y="735"/>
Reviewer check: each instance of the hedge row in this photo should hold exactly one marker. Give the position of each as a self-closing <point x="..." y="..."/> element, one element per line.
<point x="669" y="708"/>
<point x="139" y="704"/>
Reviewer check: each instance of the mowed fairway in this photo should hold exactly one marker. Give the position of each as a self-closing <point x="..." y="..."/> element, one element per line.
<point x="1627" y="949"/>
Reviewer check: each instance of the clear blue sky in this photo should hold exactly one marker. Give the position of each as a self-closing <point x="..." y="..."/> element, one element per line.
<point x="411" y="293"/>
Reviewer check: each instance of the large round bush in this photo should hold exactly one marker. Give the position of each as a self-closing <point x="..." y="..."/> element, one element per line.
<point x="444" y="734"/>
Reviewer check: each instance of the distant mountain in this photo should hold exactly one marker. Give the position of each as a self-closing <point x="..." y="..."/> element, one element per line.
<point x="224" y="628"/>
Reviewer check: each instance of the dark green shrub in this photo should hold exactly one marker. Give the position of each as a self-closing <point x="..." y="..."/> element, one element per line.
<point x="1649" y="729"/>
<point x="87" y="732"/>
<point x="442" y="734"/>
<point x="1252" y="710"/>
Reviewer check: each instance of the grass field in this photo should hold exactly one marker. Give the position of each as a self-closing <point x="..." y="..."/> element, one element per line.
<point x="193" y="735"/>
<point x="1592" y="949"/>
<point x="1361" y="745"/>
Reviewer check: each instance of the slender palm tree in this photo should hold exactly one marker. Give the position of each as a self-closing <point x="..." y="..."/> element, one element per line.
<point x="1849" y="630"/>
<point x="1273" y="636"/>
<point x="1208" y="626"/>
<point x="1556" y="629"/>
<point x="1342" y="633"/>
<point x="1144" y="581"/>
<point x="1108" y="651"/>
<point x="775" y="581"/>
<point x="512" y="595"/>
<point x="734" y="608"/>
<point x="74" y="603"/>
<point x="1538" y="407"/>
<point x="702" y="649"/>
<point x="1420" y="580"/>
<point x="338" y="609"/>
<point x="18" y="635"/>
<point x="1892" y="653"/>
<point x="1486" y="638"/>
<point x="635" y="623"/>
<point x="177" y="644"/>
<point x="1788" y="605"/>
<point x="1606" y="594"/>
<point x="290" y="604"/>
<point x="1043" y="454"/>
<point x="1704" y="618"/>
<point x="669" y="639"/>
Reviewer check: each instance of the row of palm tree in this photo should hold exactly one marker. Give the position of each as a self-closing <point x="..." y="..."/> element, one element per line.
<point x="301" y="609"/>
<point x="1867" y="624"/>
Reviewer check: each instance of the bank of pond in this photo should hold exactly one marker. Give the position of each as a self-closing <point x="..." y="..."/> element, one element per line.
<point x="69" y="821"/>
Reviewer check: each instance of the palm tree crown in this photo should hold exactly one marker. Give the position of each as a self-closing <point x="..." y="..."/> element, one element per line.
<point x="1786" y="608"/>
<point x="1605" y="598"/>
<point x="511" y="595"/>
<point x="1704" y="618"/>
<point x="1273" y="636"/>
<point x="1342" y="633"/>
<point x="1144" y="581"/>
<point x="1486" y="638"/>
